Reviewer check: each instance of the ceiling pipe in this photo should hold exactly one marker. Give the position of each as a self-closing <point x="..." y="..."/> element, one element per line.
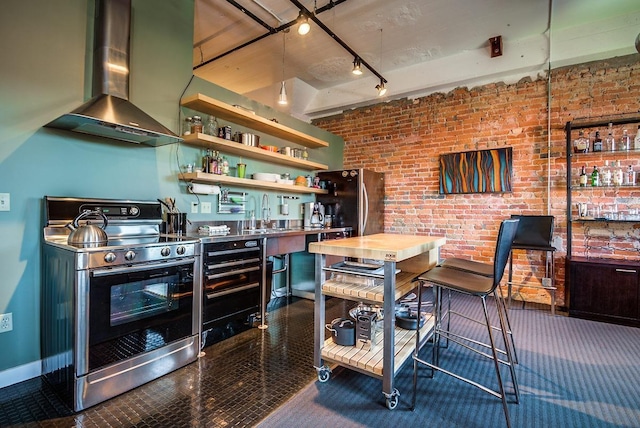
<point x="273" y="30"/>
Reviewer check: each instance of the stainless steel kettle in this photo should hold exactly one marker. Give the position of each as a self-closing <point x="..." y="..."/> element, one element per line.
<point x="88" y="235"/>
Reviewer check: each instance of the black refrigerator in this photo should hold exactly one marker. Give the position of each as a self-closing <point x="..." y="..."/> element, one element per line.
<point x="355" y="199"/>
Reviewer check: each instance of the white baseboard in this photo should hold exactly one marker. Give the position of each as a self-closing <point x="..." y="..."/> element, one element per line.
<point x="20" y="373"/>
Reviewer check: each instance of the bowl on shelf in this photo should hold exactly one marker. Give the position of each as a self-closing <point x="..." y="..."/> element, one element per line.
<point x="266" y="176"/>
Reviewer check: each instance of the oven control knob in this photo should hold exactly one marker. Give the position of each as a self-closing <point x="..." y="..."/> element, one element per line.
<point x="181" y="250"/>
<point x="134" y="210"/>
<point x="165" y="251"/>
<point x="109" y="257"/>
<point x="129" y="255"/>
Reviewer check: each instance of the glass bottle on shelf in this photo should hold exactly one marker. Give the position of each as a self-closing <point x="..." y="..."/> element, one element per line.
<point x="206" y="162"/>
<point x="630" y="176"/>
<point x="636" y="141"/>
<point x="212" y="126"/>
<point x="605" y="175"/>
<point x="597" y="142"/>
<point x="583" y="176"/>
<point x="617" y="174"/>
<point x="595" y="179"/>
<point x="625" y="141"/>
<point x="610" y="142"/>
<point x="581" y="144"/>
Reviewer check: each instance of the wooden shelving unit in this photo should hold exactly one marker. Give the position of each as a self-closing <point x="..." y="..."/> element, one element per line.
<point x="202" y="177"/>
<point x="238" y="149"/>
<point x="205" y="104"/>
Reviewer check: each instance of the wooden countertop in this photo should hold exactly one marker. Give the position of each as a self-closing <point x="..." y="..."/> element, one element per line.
<point x="381" y="246"/>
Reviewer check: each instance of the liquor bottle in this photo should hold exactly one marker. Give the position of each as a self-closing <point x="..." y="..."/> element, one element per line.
<point x="636" y="141"/>
<point x="630" y="176"/>
<point x="605" y="175"/>
<point x="595" y="179"/>
<point x="610" y="142"/>
<point x="597" y="142"/>
<point x="617" y="174"/>
<point x="580" y="144"/>
<point x="583" y="176"/>
<point x="206" y="162"/>
<point x="625" y="141"/>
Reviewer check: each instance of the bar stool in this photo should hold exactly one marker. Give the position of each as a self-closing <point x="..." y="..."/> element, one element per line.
<point x="535" y="233"/>
<point x="471" y="284"/>
<point x="484" y="269"/>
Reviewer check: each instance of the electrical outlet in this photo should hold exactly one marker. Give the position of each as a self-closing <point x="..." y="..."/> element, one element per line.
<point x="5" y="202"/>
<point x="206" y="207"/>
<point x="194" y="208"/>
<point x="6" y="322"/>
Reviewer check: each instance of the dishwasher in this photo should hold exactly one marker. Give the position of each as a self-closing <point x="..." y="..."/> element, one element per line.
<point x="303" y="277"/>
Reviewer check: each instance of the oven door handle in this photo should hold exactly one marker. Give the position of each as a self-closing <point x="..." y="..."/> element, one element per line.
<point x="232" y="290"/>
<point x="234" y="263"/>
<point x="233" y="272"/>
<point x="142" y="267"/>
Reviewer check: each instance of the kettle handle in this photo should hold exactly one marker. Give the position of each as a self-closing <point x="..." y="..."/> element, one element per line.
<point x="87" y="213"/>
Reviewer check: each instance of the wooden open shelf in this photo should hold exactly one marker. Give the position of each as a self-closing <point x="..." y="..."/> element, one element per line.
<point x="205" y="104"/>
<point x="238" y="149"/>
<point x="203" y="177"/>
<point x="371" y="294"/>
<point x="371" y="360"/>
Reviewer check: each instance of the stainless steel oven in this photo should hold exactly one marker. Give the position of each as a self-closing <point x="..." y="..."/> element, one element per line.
<point x="117" y="315"/>
<point x="232" y="275"/>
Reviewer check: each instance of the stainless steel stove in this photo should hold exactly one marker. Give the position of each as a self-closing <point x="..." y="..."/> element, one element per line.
<point x="120" y="314"/>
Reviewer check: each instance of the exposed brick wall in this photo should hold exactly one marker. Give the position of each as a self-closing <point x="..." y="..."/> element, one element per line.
<point x="405" y="138"/>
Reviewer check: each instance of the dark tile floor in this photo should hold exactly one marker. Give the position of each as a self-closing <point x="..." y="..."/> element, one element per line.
<point x="238" y="382"/>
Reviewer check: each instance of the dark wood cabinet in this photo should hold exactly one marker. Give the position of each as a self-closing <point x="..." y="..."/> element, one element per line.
<point x="605" y="291"/>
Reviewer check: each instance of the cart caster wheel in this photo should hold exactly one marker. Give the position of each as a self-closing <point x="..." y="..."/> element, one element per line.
<point x="393" y="399"/>
<point x="392" y="403"/>
<point x="323" y="375"/>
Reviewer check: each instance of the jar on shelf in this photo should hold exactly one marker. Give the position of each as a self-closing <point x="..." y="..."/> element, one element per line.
<point x="212" y="126"/>
<point x="187" y="125"/>
<point x="196" y="125"/>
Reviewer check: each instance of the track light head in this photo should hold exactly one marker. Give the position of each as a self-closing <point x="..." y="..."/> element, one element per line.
<point x="381" y="89"/>
<point x="304" y="26"/>
<point x="357" y="67"/>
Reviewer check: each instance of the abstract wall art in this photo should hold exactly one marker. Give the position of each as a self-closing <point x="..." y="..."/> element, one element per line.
<point x="480" y="171"/>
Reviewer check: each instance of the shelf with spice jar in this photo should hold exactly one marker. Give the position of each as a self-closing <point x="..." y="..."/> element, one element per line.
<point x="238" y="149"/>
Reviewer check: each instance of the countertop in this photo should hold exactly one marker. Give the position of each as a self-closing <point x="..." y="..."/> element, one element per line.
<point x="264" y="233"/>
<point x="381" y="246"/>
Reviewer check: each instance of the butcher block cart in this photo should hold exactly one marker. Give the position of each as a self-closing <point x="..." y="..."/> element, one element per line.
<point x="401" y="258"/>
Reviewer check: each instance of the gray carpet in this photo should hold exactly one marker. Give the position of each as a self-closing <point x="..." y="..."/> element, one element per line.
<point x="572" y="373"/>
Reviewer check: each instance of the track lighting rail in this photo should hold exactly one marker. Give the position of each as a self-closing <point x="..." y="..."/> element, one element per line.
<point x="273" y="30"/>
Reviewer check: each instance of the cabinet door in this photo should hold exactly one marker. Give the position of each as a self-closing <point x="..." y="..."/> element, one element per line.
<point x="607" y="292"/>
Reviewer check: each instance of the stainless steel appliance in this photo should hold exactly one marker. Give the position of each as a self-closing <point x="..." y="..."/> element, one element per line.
<point x="118" y="314"/>
<point x="355" y="199"/>
<point x="232" y="279"/>
<point x="313" y="215"/>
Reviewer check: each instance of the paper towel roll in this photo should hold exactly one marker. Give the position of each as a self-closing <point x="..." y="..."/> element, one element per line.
<point x="204" y="189"/>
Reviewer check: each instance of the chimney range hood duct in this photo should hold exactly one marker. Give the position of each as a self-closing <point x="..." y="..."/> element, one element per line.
<point x="109" y="113"/>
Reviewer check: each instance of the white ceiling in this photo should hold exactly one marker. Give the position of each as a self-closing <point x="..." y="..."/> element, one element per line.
<point x="418" y="46"/>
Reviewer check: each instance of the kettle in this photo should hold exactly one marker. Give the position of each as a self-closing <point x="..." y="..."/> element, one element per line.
<point x="88" y="235"/>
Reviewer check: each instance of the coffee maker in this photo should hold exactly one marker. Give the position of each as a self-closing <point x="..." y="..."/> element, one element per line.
<point x="313" y="214"/>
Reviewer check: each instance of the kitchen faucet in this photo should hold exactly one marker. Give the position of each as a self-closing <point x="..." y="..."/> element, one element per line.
<point x="266" y="211"/>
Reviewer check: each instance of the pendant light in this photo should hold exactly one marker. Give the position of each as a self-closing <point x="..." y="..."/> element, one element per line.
<point x="282" y="97"/>
<point x="380" y="87"/>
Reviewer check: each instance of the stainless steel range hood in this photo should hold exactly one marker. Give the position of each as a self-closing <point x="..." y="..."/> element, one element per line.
<point x="109" y="113"/>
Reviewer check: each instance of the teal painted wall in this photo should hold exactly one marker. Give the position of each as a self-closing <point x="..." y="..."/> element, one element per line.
<point x="44" y="74"/>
